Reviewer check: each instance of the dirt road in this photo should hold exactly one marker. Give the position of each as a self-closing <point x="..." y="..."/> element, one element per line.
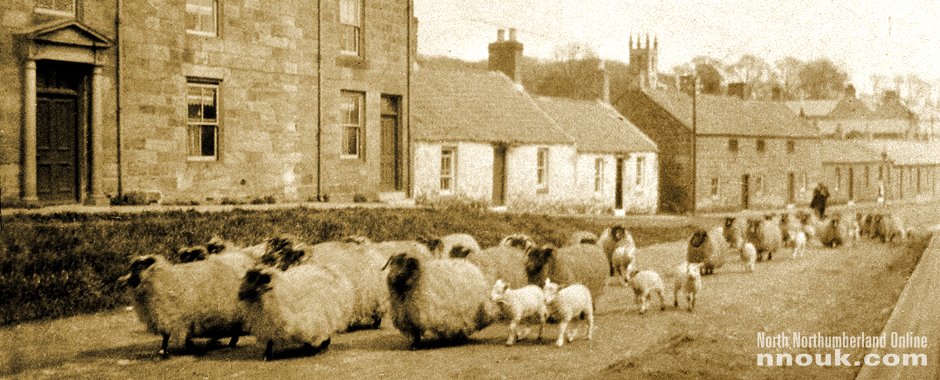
<point x="850" y="289"/>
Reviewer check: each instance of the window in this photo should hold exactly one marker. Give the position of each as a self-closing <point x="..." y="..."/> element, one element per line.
<point x="203" y="122"/>
<point x="918" y="182"/>
<point x="759" y="184"/>
<point x="350" y="19"/>
<point x="351" y="122"/>
<point x="732" y="145"/>
<point x="448" y="168"/>
<point x="791" y="146"/>
<point x="640" y="172"/>
<point x="867" y="176"/>
<point x="541" y="171"/>
<point x="881" y="173"/>
<point x="56" y="7"/>
<point x="714" y="188"/>
<point x="761" y="145"/>
<point x="201" y="17"/>
<point x="599" y="175"/>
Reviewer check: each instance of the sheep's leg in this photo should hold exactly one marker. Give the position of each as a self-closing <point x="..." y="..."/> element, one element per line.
<point x="164" y="347"/>
<point x="675" y="295"/>
<point x="562" y="329"/>
<point x="415" y="339"/>
<point x="590" y="319"/>
<point x="691" y="299"/>
<point x="233" y="341"/>
<point x="662" y="300"/>
<point x="513" y="331"/>
<point x="645" y="299"/>
<point x="268" y="351"/>
<point x="542" y="319"/>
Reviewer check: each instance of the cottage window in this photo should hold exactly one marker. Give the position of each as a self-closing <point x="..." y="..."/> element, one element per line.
<point x="640" y="172"/>
<point x="791" y="146"/>
<point x="448" y="169"/>
<point x="867" y="176"/>
<point x="732" y="145"/>
<point x="350" y="19"/>
<point x="759" y="184"/>
<point x="201" y="17"/>
<point x="599" y="175"/>
<point x="56" y="7"/>
<point x="881" y="173"/>
<point x="761" y="145"/>
<point x="203" y="120"/>
<point x="541" y="170"/>
<point x="714" y="188"/>
<point x="351" y="122"/>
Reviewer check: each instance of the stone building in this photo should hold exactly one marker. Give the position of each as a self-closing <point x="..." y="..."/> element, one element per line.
<point x="851" y="117"/>
<point x="203" y="100"/>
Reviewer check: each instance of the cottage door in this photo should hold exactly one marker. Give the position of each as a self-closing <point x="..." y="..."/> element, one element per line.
<point x="57" y="133"/>
<point x="791" y="188"/>
<point x="745" y="191"/>
<point x="390" y="161"/>
<point x="851" y="188"/>
<point x="499" y="175"/>
<point x="618" y="187"/>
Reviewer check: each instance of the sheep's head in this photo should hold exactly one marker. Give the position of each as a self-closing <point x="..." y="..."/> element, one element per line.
<point x="521" y="241"/>
<point x="403" y="273"/>
<point x="290" y="257"/>
<point x="281" y="242"/>
<point x="618" y="232"/>
<point x="216" y="245"/>
<point x="191" y="254"/>
<point x="357" y="239"/>
<point x="140" y="264"/>
<point x="499" y="290"/>
<point x="550" y="290"/>
<point x="587" y="240"/>
<point x="699" y="237"/>
<point x="537" y="262"/>
<point x="459" y="252"/>
<point x="257" y="282"/>
<point x="433" y="244"/>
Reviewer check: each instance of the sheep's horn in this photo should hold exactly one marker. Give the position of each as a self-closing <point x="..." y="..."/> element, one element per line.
<point x="389" y="261"/>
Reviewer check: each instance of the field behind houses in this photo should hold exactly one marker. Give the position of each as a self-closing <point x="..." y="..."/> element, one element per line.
<point x="65" y="264"/>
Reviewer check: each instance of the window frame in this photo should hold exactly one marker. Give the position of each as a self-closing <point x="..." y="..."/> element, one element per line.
<point x="56" y="12"/>
<point x="791" y="146"/>
<point x="640" y="171"/>
<point x="715" y="188"/>
<point x="804" y="182"/>
<point x="761" y="146"/>
<point x="600" y="165"/>
<point x="451" y="152"/>
<point x="838" y="178"/>
<point x="359" y="28"/>
<point x="359" y="126"/>
<point x="541" y="170"/>
<point x="215" y="20"/>
<point x="759" y="185"/>
<point x="202" y="122"/>
<point x="734" y="145"/>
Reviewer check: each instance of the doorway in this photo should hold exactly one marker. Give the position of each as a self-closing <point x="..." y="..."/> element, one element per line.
<point x="390" y="160"/>
<point x="499" y="175"/>
<point x="745" y="191"/>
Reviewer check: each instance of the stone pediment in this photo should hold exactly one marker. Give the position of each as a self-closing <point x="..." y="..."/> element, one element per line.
<point x="68" y="32"/>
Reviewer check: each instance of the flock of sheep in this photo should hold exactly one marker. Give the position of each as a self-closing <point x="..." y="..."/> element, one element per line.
<point x="288" y="294"/>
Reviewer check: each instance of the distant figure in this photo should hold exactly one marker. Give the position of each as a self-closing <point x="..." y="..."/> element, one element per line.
<point x="820" y="195"/>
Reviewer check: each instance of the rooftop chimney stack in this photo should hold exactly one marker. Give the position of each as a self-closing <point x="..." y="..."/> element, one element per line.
<point x="850" y="91"/>
<point x="603" y="83"/>
<point x="506" y="56"/>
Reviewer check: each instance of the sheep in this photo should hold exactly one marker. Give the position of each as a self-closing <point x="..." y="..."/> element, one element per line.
<point x="890" y="227"/>
<point x="689" y="281"/>
<point x="833" y="234"/>
<point x="451" y="245"/>
<point x="615" y="237"/>
<point x="766" y="236"/>
<point x="799" y="244"/>
<point x="197" y="299"/>
<point x="444" y="299"/>
<point x="853" y="232"/>
<point x="393" y="247"/>
<point x="789" y="226"/>
<point x="520" y="304"/>
<point x="520" y="241"/>
<point x="501" y="262"/>
<point x="621" y="259"/>
<point x="644" y="284"/>
<point x="583" y="237"/>
<point x="361" y="265"/>
<point x="303" y="305"/>
<point x="582" y="263"/>
<point x="567" y="303"/>
<point x="733" y="231"/>
<point x="749" y="255"/>
<point x="192" y="253"/>
<point x="705" y="247"/>
<point x="867" y="227"/>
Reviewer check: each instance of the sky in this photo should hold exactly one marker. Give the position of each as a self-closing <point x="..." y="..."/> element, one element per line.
<point x="864" y="37"/>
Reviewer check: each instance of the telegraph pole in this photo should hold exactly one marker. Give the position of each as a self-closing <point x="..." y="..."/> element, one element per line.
<point x="694" y="141"/>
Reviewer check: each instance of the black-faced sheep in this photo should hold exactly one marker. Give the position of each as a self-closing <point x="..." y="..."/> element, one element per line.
<point x="501" y="262"/>
<point x="834" y="233"/>
<point x="583" y="237"/>
<point x="582" y="263"/>
<point x="444" y="299"/>
<point x="611" y="239"/>
<point x="520" y="304"/>
<point x="452" y="245"/>
<point x="889" y="227"/>
<point x="304" y="305"/>
<point x="766" y="236"/>
<point x="789" y="226"/>
<point x="197" y="299"/>
<point x="362" y="266"/>
<point x="565" y="304"/>
<point x="705" y="247"/>
<point x="521" y="241"/>
<point x="689" y="281"/>
<point x="734" y="231"/>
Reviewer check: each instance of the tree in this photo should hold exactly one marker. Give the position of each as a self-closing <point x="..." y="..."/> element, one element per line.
<point x="822" y="79"/>
<point x="572" y="73"/>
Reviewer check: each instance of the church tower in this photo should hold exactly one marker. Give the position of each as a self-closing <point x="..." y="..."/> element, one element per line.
<point x="644" y="59"/>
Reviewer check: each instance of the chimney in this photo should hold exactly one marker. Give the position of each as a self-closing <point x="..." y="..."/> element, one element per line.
<point x="506" y="56"/>
<point x="850" y="91"/>
<point x="736" y="89"/>
<point x="890" y="96"/>
<point x="602" y="82"/>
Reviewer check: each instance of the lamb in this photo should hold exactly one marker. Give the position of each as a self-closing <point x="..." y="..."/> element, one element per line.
<point x="689" y="281"/>
<point x="304" y="305"/>
<point x="582" y="263"/>
<point x="644" y="284"/>
<point x="442" y="299"/>
<point x="799" y="244"/>
<point x="197" y="299"/>
<point x="567" y="303"/>
<point x="520" y="304"/>
<point x="583" y="237"/>
<point x="362" y="266"/>
<point x="453" y="245"/>
<point x="853" y="232"/>
<point x="749" y="255"/>
<point x="615" y="237"/>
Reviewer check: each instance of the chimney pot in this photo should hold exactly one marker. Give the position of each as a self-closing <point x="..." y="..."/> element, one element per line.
<point x="512" y="34"/>
<point x="500" y="35"/>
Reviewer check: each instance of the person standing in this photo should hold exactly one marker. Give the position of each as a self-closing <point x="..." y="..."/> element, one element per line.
<point x="820" y="196"/>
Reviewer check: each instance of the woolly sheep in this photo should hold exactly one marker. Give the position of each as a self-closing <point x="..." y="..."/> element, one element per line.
<point x="766" y="236"/>
<point x="520" y="241"/>
<point x="867" y="226"/>
<point x="566" y="304"/>
<point x="501" y="262"/>
<point x="442" y="299"/>
<point x="749" y="255"/>
<point x="520" y="304"/>
<point x="362" y="266"/>
<point x="393" y="247"/>
<point x="453" y="245"/>
<point x="890" y="227"/>
<point x="644" y="284"/>
<point x="789" y="226"/>
<point x="705" y="247"/>
<point x="197" y="299"/>
<point x="689" y="281"/>
<point x="304" y="305"/>
<point x="583" y="237"/>
<point x="834" y="233"/>
<point x="799" y="244"/>
<point x="582" y="263"/>
<point x="615" y="237"/>
<point x="733" y="231"/>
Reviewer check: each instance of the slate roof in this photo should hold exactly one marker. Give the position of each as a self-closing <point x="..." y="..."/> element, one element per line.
<point x="845" y="108"/>
<point x="478" y="106"/>
<point x="908" y="152"/>
<point x="595" y="126"/>
<point x="726" y="115"/>
<point x="847" y="152"/>
<point x="813" y="108"/>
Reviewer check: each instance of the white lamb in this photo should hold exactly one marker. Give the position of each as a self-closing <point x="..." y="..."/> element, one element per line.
<point x="749" y="255"/>
<point x="644" y="284"/>
<point x="520" y="304"/>
<point x="565" y="304"/>
<point x="799" y="244"/>
<point x="689" y="281"/>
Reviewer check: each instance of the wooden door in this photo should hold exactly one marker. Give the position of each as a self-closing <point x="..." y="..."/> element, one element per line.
<point x="745" y="191"/>
<point x="390" y="160"/>
<point x="499" y="175"/>
<point x="57" y="148"/>
<point x="618" y="187"/>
